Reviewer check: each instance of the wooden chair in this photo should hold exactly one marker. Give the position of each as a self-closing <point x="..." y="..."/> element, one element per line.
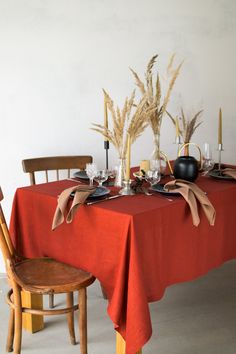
<point x="54" y="163"/>
<point x="41" y="276"/>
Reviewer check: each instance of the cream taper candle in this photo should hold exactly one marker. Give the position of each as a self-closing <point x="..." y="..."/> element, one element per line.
<point x="127" y="172"/>
<point x="177" y="127"/>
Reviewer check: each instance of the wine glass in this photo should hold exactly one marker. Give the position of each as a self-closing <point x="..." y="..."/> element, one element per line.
<point x="101" y="176"/>
<point x="153" y="176"/>
<point x="208" y="162"/>
<point x="91" y="170"/>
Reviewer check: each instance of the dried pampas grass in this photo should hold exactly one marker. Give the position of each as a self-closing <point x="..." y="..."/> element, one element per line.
<point x="132" y="119"/>
<point x="187" y="126"/>
<point x="153" y="94"/>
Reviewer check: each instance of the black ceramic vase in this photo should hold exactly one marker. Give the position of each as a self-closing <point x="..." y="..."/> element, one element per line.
<point x="186" y="167"/>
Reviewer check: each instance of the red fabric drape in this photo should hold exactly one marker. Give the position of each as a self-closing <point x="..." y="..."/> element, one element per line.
<point x="135" y="245"/>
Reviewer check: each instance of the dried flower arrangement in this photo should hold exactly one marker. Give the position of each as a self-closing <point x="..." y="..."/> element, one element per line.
<point x="187" y="126"/>
<point x="132" y="119"/>
<point x="153" y="95"/>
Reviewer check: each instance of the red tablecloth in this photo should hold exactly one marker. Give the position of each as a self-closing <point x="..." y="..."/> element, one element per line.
<point x="135" y="245"/>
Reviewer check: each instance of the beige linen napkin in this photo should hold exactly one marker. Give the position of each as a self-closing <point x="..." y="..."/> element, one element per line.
<point x="191" y="193"/>
<point x="229" y="172"/>
<point x="81" y="193"/>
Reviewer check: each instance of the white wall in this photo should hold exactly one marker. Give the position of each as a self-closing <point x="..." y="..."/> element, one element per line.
<point x="56" y="55"/>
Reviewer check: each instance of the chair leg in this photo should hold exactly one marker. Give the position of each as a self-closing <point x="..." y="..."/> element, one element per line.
<point x="83" y="320"/>
<point x="51" y="301"/>
<point x="10" y="336"/>
<point x="17" y="320"/>
<point x="70" y="317"/>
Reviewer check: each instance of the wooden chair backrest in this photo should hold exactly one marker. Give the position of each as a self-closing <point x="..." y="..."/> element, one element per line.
<point x="54" y="163"/>
<point x="6" y="245"/>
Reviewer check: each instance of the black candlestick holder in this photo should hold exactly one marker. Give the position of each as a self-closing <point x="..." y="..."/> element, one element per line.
<point x="106" y="147"/>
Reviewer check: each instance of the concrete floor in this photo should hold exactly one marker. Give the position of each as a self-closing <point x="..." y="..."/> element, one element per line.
<point x="197" y="317"/>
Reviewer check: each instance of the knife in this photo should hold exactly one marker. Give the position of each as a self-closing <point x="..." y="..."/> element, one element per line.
<point x="102" y="200"/>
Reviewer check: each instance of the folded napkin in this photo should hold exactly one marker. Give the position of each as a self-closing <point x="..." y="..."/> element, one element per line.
<point x="191" y="193"/>
<point x="81" y="193"/>
<point x="229" y="172"/>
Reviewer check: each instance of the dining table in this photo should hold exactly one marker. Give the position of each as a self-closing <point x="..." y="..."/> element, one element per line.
<point x="135" y="245"/>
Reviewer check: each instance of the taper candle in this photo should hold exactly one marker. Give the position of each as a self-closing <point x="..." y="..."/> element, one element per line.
<point x="220" y="128"/>
<point x="127" y="174"/>
<point x="177" y="127"/>
<point x="105" y="116"/>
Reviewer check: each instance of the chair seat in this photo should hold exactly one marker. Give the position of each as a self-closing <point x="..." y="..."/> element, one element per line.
<point x="47" y="275"/>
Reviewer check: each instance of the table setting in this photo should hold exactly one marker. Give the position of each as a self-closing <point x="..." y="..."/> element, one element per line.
<point x="158" y="233"/>
<point x="185" y="184"/>
<point x="148" y="178"/>
<point x="138" y="229"/>
<point x="129" y="226"/>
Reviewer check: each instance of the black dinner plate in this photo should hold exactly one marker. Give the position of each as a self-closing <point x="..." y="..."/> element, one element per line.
<point x="81" y="174"/>
<point x="217" y="174"/>
<point x="99" y="193"/>
<point x="160" y="189"/>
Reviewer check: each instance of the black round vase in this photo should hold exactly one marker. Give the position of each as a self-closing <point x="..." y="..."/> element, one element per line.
<point x="186" y="167"/>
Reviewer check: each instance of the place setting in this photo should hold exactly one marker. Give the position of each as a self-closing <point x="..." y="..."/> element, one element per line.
<point x="147" y="179"/>
<point x="95" y="179"/>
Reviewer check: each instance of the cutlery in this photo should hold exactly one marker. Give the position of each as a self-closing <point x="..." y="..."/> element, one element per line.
<point x="102" y="200"/>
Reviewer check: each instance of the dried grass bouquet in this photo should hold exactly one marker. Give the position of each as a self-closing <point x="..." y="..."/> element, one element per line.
<point x="132" y="119"/>
<point x="187" y="125"/>
<point x="152" y="92"/>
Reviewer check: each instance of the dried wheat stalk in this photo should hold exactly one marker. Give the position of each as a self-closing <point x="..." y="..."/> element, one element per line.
<point x="154" y="94"/>
<point x="187" y="126"/>
<point x="132" y="118"/>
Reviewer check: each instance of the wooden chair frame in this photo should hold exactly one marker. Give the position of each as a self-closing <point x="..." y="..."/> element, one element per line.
<point x="54" y="163"/>
<point x="13" y="264"/>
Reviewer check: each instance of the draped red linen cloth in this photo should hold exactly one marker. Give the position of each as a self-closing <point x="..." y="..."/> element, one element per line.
<point x="135" y="245"/>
